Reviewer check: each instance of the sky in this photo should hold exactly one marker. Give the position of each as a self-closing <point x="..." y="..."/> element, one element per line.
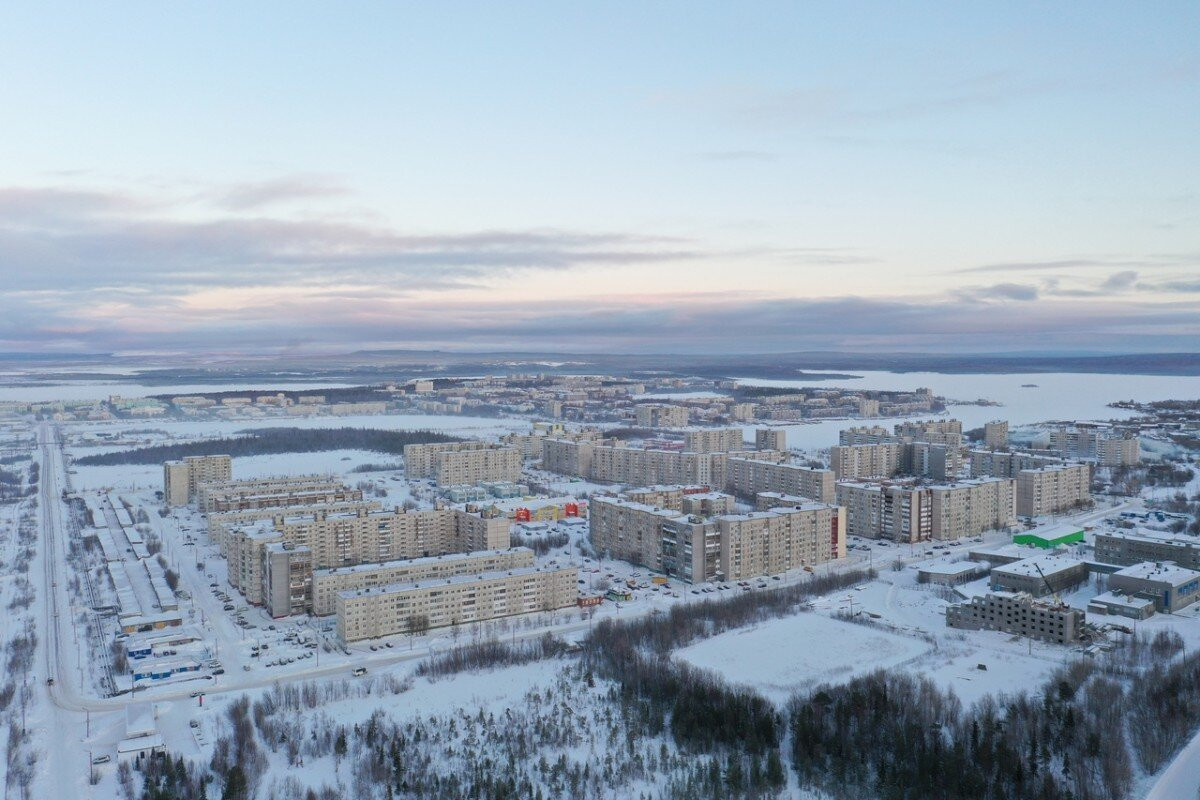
<point x="607" y="177"/>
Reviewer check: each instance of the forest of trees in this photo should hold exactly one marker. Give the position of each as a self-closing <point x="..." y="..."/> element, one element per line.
<point x="272" y="441"/>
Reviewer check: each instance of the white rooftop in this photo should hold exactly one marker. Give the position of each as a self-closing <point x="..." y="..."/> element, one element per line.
<point x="1049" y="565"/>
<point x="1164" y="571"/>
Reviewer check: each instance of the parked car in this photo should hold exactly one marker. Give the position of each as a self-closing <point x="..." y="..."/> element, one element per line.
<point x="102" y="759"/>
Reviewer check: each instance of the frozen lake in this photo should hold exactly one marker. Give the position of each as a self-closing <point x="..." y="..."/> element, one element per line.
<point x="1056" y="396"/>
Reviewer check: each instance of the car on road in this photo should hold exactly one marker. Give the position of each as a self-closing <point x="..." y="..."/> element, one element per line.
<point x="196" y="694"/>
<point x="194" y="723"/>
<point x="102" y="759"/>
<point x="359" y="672"/>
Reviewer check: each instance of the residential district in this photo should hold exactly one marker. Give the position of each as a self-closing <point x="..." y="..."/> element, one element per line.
<point x="212" y="574"/>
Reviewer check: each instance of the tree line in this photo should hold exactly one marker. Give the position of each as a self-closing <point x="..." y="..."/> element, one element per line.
<point x="273" y="441"/>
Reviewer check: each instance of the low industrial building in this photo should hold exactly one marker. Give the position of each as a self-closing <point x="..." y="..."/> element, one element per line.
<point x="1118" y="603"/>
<point x="1040" y="575"/>
<point x="1018" y="613"/>
<point x="1171" y="587"/>
<point x="1134" y="547"/>
<point x="955" y="574"/>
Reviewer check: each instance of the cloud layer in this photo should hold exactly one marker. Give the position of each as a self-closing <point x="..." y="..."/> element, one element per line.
<point x="231" y="268"/>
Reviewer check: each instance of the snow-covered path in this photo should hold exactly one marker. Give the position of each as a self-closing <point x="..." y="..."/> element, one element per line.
<point x="1181" y="778"/>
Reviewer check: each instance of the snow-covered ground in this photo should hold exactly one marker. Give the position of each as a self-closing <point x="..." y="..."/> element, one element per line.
<point x="781" y="657"/>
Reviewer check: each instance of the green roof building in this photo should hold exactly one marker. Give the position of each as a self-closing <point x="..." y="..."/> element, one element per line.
<point x="1049" y="536"/>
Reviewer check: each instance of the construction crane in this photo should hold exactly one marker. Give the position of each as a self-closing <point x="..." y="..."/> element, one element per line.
<point x="1049" y="588"/>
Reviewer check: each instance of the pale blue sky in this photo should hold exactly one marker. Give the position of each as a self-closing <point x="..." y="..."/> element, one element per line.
<point x="613" y="176"/>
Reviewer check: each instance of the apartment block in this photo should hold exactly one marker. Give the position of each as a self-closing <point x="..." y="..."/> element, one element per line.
<point x="652" y="415"/>
<point x="1129" y="548"/>
<point x="287" y="579"/>
<point x="182" y="479"/>
<point x="1051" y="490"/>
<point x="292" y="490"/>
<point x="968" y="508"/>
<point x="219" y="523"/>
<point x="888" y="510"/>
<point x="743" y="412"/>
<point x="715" y="440"/>
<point x="327" y="583"/>
<point x="1103" y="445"/>
<point x="1004" y="464"/>
<point x="780" y="539"/>
<point x="387" y="610"/>
<point x="995" y="434"/>
<point x="865" y="461"/>
<point x="866" y="434"/>
<point x="770" y="439"/>
<point x="696" y="549"/>
<point x="338" y="540"/>
<point x="750" y="476"/>
<point x="1018" y="614"/>
<point x="462" y="463"/>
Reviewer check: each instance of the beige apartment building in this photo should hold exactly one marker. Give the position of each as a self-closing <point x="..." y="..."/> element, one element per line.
<point x="743" y="412"/>
<point x="338" y="540"/>
<point x="781" y="539"/>
<point x="969" y="508"/>
<point x="730" y="546"/>
<point x="463" y="463"/>
<point x="995" y="434"/>
<point x="866" y="434"/>
<point x="287" y="579"/>
<point x="854" y="462"/>
<point x="1053" y="489"/>
<point x="714" y="440"/>
<point x="218" y="524"/>
<point x="182" y="479"/>
<point x="770" y="439"/>
<point x="653" y="415"/>
<point x="896" y="511"/>
<point x="1106" y="447"/>
<point x="327" y="583"/>
<point x="1005" y="464"/>
<point x="387" y="610"/>
<point x="750" y="476"/>
<point x="244" y="495"/>
<point x="615" y="463"/>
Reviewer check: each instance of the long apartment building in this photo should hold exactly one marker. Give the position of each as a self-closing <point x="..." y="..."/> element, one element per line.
<point x="905" y="512"/>
<point x="1054" y="489"/>
<point x="615" y="463"/>
<point x="750" y="476"/>
<point x="1106" y="447"/>
<point x="1020" y="614"/>
<point x="885" y="460"/>
<point x="1003" y="464"/>
<point x="338" y="540"/>
<point x="327" y="583"/>
<point x="397" y="608"/>
<point x="219" y="523"/>
<point x="292" y="490"/>
<point x="182" y="479"/>
<point x="730" y="546"/>
<point x="714" y="440"/>
<point x="463" y="463"/>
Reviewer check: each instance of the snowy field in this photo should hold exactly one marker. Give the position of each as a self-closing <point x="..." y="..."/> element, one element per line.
<point x="783" y="656"/>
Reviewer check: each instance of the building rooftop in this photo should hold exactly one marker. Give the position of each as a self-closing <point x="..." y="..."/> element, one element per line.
<point x="451" y="581"/>
<point x="416" y="562"/>
<point x="954" y="568"/>
<point x="1164" y="571"/>
<point x="1049" y="564"/>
